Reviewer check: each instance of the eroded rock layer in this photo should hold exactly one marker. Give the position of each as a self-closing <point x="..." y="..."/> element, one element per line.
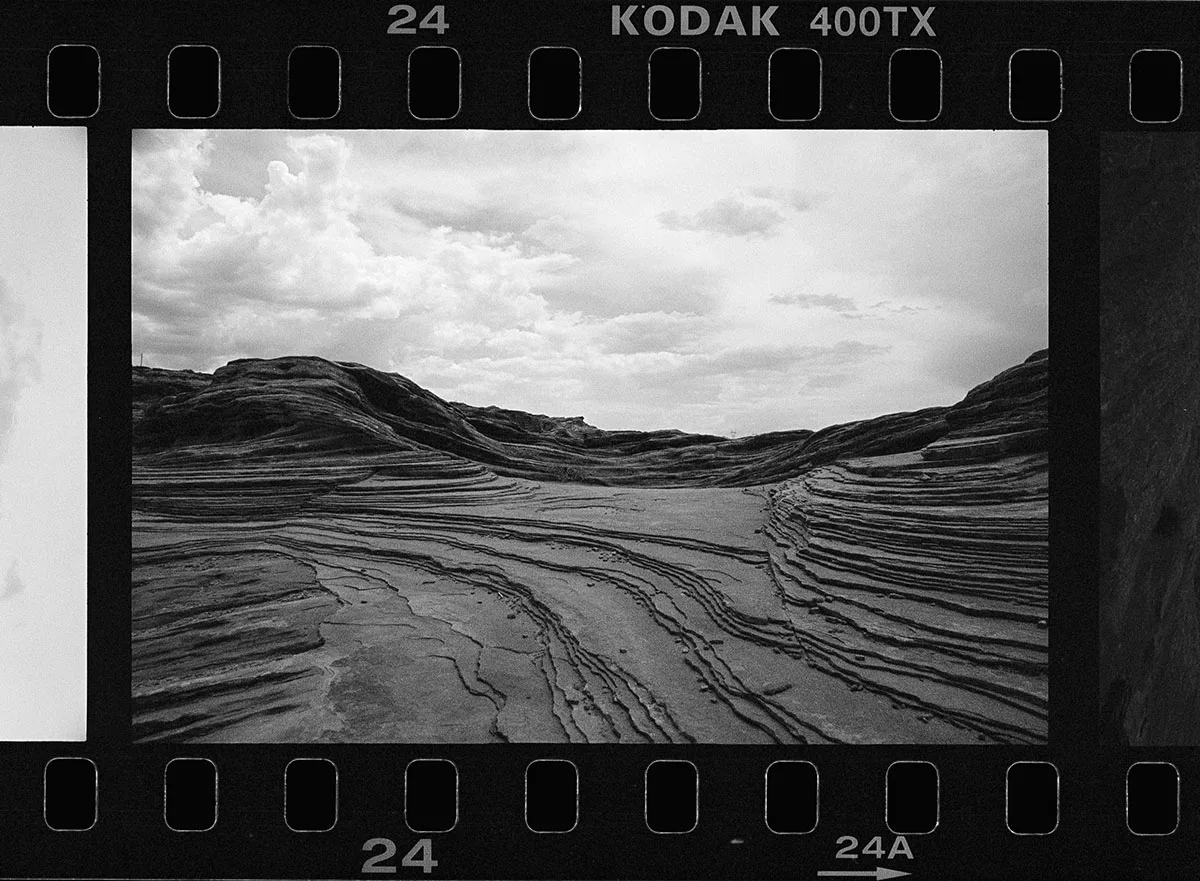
<point x="308" y="565"/>
<point x="924" y="578"/>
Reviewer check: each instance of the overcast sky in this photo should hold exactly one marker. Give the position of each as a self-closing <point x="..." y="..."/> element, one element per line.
<point x="734" y="281"/>
<point x="43" y="433"/>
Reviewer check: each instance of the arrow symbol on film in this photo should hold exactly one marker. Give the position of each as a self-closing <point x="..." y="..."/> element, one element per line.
<point x="879" y="873"/>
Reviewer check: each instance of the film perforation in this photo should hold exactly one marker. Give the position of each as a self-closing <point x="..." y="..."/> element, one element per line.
<point x="1027" y="69"/>
<point x="190" y="794"/>
<point x="73" y="81"/>
<point x="555" y="83"/>
<point x="1031" y="804"/>
<point x="197" y="73"/>
<point x="1156" y="85"/>
<point x="314" y="82"/>
<point x="439" y="94"/>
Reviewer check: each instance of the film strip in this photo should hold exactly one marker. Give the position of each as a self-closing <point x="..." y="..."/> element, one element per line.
<point x="323" y="621"/>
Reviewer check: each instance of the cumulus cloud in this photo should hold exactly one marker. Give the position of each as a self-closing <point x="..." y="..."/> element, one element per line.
<point x="166" y="192"/>
<point x="233" y="276"/>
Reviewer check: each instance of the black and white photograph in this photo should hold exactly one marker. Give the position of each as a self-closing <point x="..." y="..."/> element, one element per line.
<point x="589" y="436"/>
<point x="43" y="433"/>
<point x="1149" y="660"/>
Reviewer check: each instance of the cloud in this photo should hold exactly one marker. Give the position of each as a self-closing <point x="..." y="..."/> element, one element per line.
<point x="759" y="212"/>
<point x="13" y="584"/>
<point x="165" y="171"/>
<point x="791" y="357"/>
<point x="619" y="282"/>
<point x="833" y="302"/>
<point x="888" y="306"/>
<point x="20" y="344"/>
<point x="845" y="307"/>
<point x="827" y="380"/>
<point x="652" y="332"/>
<point x="231" y="276"/>
<point x="728" y="217"/>
<point x="639" y="278"/>
<point x="798" y="200"/>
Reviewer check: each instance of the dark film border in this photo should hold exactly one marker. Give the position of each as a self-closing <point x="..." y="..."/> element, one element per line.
<point x="1095" y="41"/>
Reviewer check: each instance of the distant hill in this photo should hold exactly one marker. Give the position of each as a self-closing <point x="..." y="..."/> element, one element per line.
<point x="306" y="406"/>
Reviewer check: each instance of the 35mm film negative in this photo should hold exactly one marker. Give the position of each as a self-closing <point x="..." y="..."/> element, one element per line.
<point x="598" y="440"/>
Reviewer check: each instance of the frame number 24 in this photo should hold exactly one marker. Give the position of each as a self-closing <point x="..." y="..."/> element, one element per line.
<point x="419" y="857"/>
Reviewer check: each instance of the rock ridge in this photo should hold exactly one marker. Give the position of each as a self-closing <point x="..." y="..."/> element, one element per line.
<point x="308" y="405"/>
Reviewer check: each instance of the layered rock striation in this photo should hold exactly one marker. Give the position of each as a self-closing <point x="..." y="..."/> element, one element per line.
<point x="326" y="552"/>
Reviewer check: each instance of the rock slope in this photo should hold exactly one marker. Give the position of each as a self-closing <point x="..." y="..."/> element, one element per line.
<point x="302" y="406"/>
<point x="326" y="552"/>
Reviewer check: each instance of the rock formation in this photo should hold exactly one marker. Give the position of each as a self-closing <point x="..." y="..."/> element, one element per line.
<point x="326" y="552"/>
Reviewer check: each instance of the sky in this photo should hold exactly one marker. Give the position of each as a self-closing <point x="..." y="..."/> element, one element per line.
<point x="724" y="282"/>
<point x="43" y="433"/>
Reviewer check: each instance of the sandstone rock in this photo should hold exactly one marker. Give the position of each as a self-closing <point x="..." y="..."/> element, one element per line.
<point x="344" y="484"/>
<point x="311" y="406"/>
<point x="961" y="527"/>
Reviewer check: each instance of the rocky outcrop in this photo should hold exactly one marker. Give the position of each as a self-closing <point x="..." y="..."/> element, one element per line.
<point x="324" y="552"/>
<point x="307" y="406"/>
<point x="923" y="576"/>
<point x="1149" y="441"/>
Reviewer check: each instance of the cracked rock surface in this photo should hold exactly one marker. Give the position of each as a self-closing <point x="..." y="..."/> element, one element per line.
<point x="325" y="552"/>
